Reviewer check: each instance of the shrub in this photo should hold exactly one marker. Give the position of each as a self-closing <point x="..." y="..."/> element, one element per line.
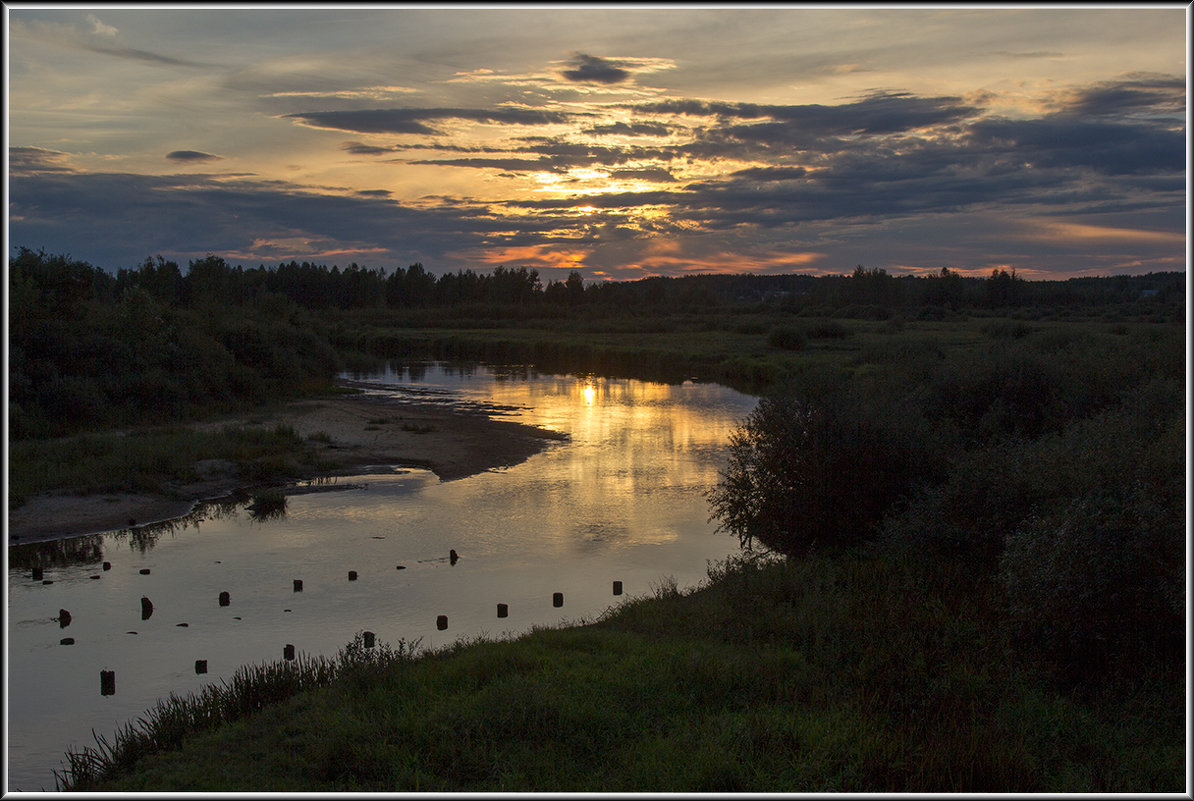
<point x="1098" y="578"/>
<point x="786" y="337"/>
<point x="820" y="466"/>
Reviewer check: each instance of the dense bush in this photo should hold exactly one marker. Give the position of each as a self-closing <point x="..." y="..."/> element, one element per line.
<point x="787" y="337"/>
<point x="821" y="465"/>
<point x="1098" y="578"/>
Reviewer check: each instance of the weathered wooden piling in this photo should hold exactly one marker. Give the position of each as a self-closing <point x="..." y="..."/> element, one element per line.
<point x="107" y="682"/>
<point x="452" y="556"/>
<point x="298" y="585"/>
<point x="200" y="666"/>
<point x="503" y="610"/>
<point x="67" y="641"/>
<point x="144" y="571"/>
<point x="225" y="598"/>
<point x="352" y="575"/>
<point x="617" y="588"/>
<point x="557" y="599"/>
<point x="400" y="567"/>
<point x="107" y="565"/>
<point x="63" y="618"/>
<point x="369" y="638"/>
<point x="47" y="581"/>
<point x="37" y="574"/>
<point x="93" y="578"/>
<point x="288" y="651"/>
<point x="182" y="625"/>
<point x="146" y="608"/>
<point x="441" y="622"/>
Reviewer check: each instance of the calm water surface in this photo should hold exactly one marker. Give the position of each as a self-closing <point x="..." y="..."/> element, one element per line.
<point x="621" y="500"/>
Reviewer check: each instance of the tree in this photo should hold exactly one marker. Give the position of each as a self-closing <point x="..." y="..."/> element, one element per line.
<point x="820" y="466"/>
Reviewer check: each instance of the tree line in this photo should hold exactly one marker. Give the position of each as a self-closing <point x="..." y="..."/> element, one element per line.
<point x="864" y="292"/>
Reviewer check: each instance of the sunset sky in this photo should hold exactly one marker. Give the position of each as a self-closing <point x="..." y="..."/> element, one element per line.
<point x="619" y="141"/>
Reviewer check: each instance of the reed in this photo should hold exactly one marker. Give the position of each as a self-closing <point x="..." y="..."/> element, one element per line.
<point x="250" y="689"/>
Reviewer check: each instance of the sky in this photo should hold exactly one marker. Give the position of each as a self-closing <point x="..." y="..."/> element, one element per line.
<point x="619" y="141"/>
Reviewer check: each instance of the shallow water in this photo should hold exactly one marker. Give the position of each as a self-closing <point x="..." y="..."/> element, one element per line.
<point x="620" y="500"/>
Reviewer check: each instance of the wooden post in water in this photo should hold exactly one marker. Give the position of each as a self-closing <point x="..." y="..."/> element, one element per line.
<point x="352" y="575"/>
<point x="107" y="682"/>
<point x="369" y="636"/>
<point x="107" y="565"/>
<point x="441" y="622"/>
<point x="225" y="598"/>
<point x="503" y="610"/>
<point x="288" y="651"/>
<point x="617" y="588"/>
<point x="452" y="557"/>
<point x="298" y="585"/>
<point x="37" y="574"/>
<point x="67" y="641"/>
<point x="200" y="666"/>
<point x="144" y="571"/>
<point x="63" y="618"/>
<point x="557" y="599"/>
<point x="146" y="608"/>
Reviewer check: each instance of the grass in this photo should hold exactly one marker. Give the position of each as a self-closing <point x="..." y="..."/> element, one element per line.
<point x="150" y="460"/>
<point x="865" y="673"/>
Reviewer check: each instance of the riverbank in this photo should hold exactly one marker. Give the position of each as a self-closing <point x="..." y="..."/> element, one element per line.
<point x="344" y="433"/>
<point x="857" y="673"/>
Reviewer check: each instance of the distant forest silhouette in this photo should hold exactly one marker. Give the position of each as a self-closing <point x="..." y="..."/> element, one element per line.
<point x="60" y="282"/>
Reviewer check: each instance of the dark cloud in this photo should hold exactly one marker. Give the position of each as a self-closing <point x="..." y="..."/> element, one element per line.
<point x="631" y="129"/>
<point x="1153" y="93"/>
<point x="1105" y="147"/>
<point x="117" y="219"/>
<point x="361" y="149"/>
<point x="37" y="159"/>
<point x="771" y="173"/>
<point x="191" y="156"/>
<point x="592" y="69"/>
<point x="656" y="174"/>
<point x="122" y="51"/>
<point x="413" y="120"/>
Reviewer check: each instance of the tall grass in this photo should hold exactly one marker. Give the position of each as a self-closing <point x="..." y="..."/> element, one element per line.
<point x="150" y="460"/>
<point x="251" y="689"/>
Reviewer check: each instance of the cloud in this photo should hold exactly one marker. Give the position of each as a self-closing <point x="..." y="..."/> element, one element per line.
<point x="1105" y="147"/>
<point x="592" y="69"/>
<point x="413" y="120"/>
<point x="100" y="28"/>
<point x="630" y="129"/>
<point x="26" y="160"/>
<point x="191" y="156"/>
<point x="1157" y="94"/>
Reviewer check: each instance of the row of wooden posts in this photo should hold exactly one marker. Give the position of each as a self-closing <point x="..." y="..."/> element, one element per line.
<point x="108" y="677"/>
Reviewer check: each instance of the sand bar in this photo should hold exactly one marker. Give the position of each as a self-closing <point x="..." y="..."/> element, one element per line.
<point x="360" y="430"/>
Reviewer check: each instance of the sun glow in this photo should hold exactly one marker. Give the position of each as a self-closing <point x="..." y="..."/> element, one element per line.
<point x="590" y="393"/>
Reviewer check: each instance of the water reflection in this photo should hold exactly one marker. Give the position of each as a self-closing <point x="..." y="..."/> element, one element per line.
<point x="619" y="502"/>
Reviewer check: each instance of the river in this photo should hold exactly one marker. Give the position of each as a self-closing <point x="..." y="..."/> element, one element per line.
<point x="621" y="500"/>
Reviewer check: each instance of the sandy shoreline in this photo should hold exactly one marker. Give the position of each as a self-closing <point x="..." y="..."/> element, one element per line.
<point x="361" y="430"/>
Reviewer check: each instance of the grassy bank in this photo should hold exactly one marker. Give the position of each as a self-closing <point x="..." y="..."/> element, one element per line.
<point x="816" y="675"/>
<point x="154" y="460"/>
